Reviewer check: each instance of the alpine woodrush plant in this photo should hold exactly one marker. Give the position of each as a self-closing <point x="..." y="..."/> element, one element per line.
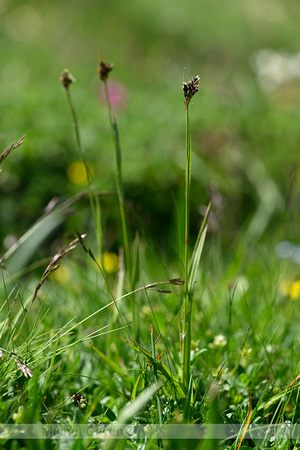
<point x="190" y="268"/>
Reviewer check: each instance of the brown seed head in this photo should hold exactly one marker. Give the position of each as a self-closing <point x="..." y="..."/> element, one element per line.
<point x="190" y="89"/>
<point x="7" y="152"/>
<point x="104" y="69"/>
<point x="80" y="399"/>
<point x="66" y="79"/>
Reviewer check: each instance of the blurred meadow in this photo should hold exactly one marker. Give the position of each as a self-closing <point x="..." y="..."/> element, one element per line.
<point x="245" y="140"/>
<point x="245" y="127"/>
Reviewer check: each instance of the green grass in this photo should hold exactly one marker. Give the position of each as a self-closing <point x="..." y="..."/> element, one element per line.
<point x="97" y="325"/>
<point x="204" y="348"/>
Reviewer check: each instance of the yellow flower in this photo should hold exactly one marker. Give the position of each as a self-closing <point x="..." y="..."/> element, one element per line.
<point x="295" y="290"/>
<point x="76" y="172"/>
<point x="291" y="289"/>
<point x="62" y="274"/>
<point x="110" y="262"/>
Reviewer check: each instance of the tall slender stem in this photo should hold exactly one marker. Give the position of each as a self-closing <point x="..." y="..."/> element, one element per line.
<point x="189" y="90"/>
<point x="120" y="194"/>
<point x="93" y="198"/>
<point x="119" y="182"/>
<point x="187" y="300"/>
<point x="187" y="195"/>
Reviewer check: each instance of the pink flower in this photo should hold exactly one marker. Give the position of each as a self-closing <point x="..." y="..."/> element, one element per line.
<point x="117" y="95"/>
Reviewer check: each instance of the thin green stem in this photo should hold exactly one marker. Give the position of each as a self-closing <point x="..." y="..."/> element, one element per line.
<point x="156" y="375"/>
<point x="187" y="309"/>
<point x="93" y="197"/>
<point x="119" y="181"/>
<point x="120" y="194"/>
<point x="187" y="196"/>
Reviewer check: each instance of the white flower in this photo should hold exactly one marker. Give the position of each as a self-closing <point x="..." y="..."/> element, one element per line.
<point x="219" y="341"/>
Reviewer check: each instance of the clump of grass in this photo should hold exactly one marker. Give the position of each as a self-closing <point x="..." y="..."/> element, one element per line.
<point x="48" y="374"/>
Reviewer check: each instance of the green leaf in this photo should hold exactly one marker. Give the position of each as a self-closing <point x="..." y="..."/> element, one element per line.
<point x="277" y="397"/>
<point x="19" y="254"/>
<point x="161" y="368"/>
<point x="131" y="410"/>
<point x="135" y="259"/>
<point x="189" y="400"/>
<point x="110" y="415"/>
<point x="195" y="259"/>
<point x="135" y="387"/>
<point x="113" y="367"/>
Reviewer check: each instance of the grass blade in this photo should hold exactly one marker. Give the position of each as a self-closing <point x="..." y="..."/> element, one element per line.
<point x="161" y="368"/>
<point x="128" y="413"/>
<point x="196" y="256"/>
<point x="113" y="367"/>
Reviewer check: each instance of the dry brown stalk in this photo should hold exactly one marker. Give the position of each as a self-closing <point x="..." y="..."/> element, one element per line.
<point x="11" y="148"/>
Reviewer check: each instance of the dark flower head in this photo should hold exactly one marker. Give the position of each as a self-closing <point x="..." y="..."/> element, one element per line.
<point x="104" y="69"/>
<point x="66" y="79"/>
<point x="80" y="399"/>
<point x="190" y="89"/>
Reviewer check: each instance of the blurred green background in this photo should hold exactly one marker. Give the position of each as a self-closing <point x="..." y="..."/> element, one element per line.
<point x="245" y="119"/>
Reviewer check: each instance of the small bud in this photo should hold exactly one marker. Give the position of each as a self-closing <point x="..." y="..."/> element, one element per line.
<point x="190" y="89"/>
<point x="66" y="79"/>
